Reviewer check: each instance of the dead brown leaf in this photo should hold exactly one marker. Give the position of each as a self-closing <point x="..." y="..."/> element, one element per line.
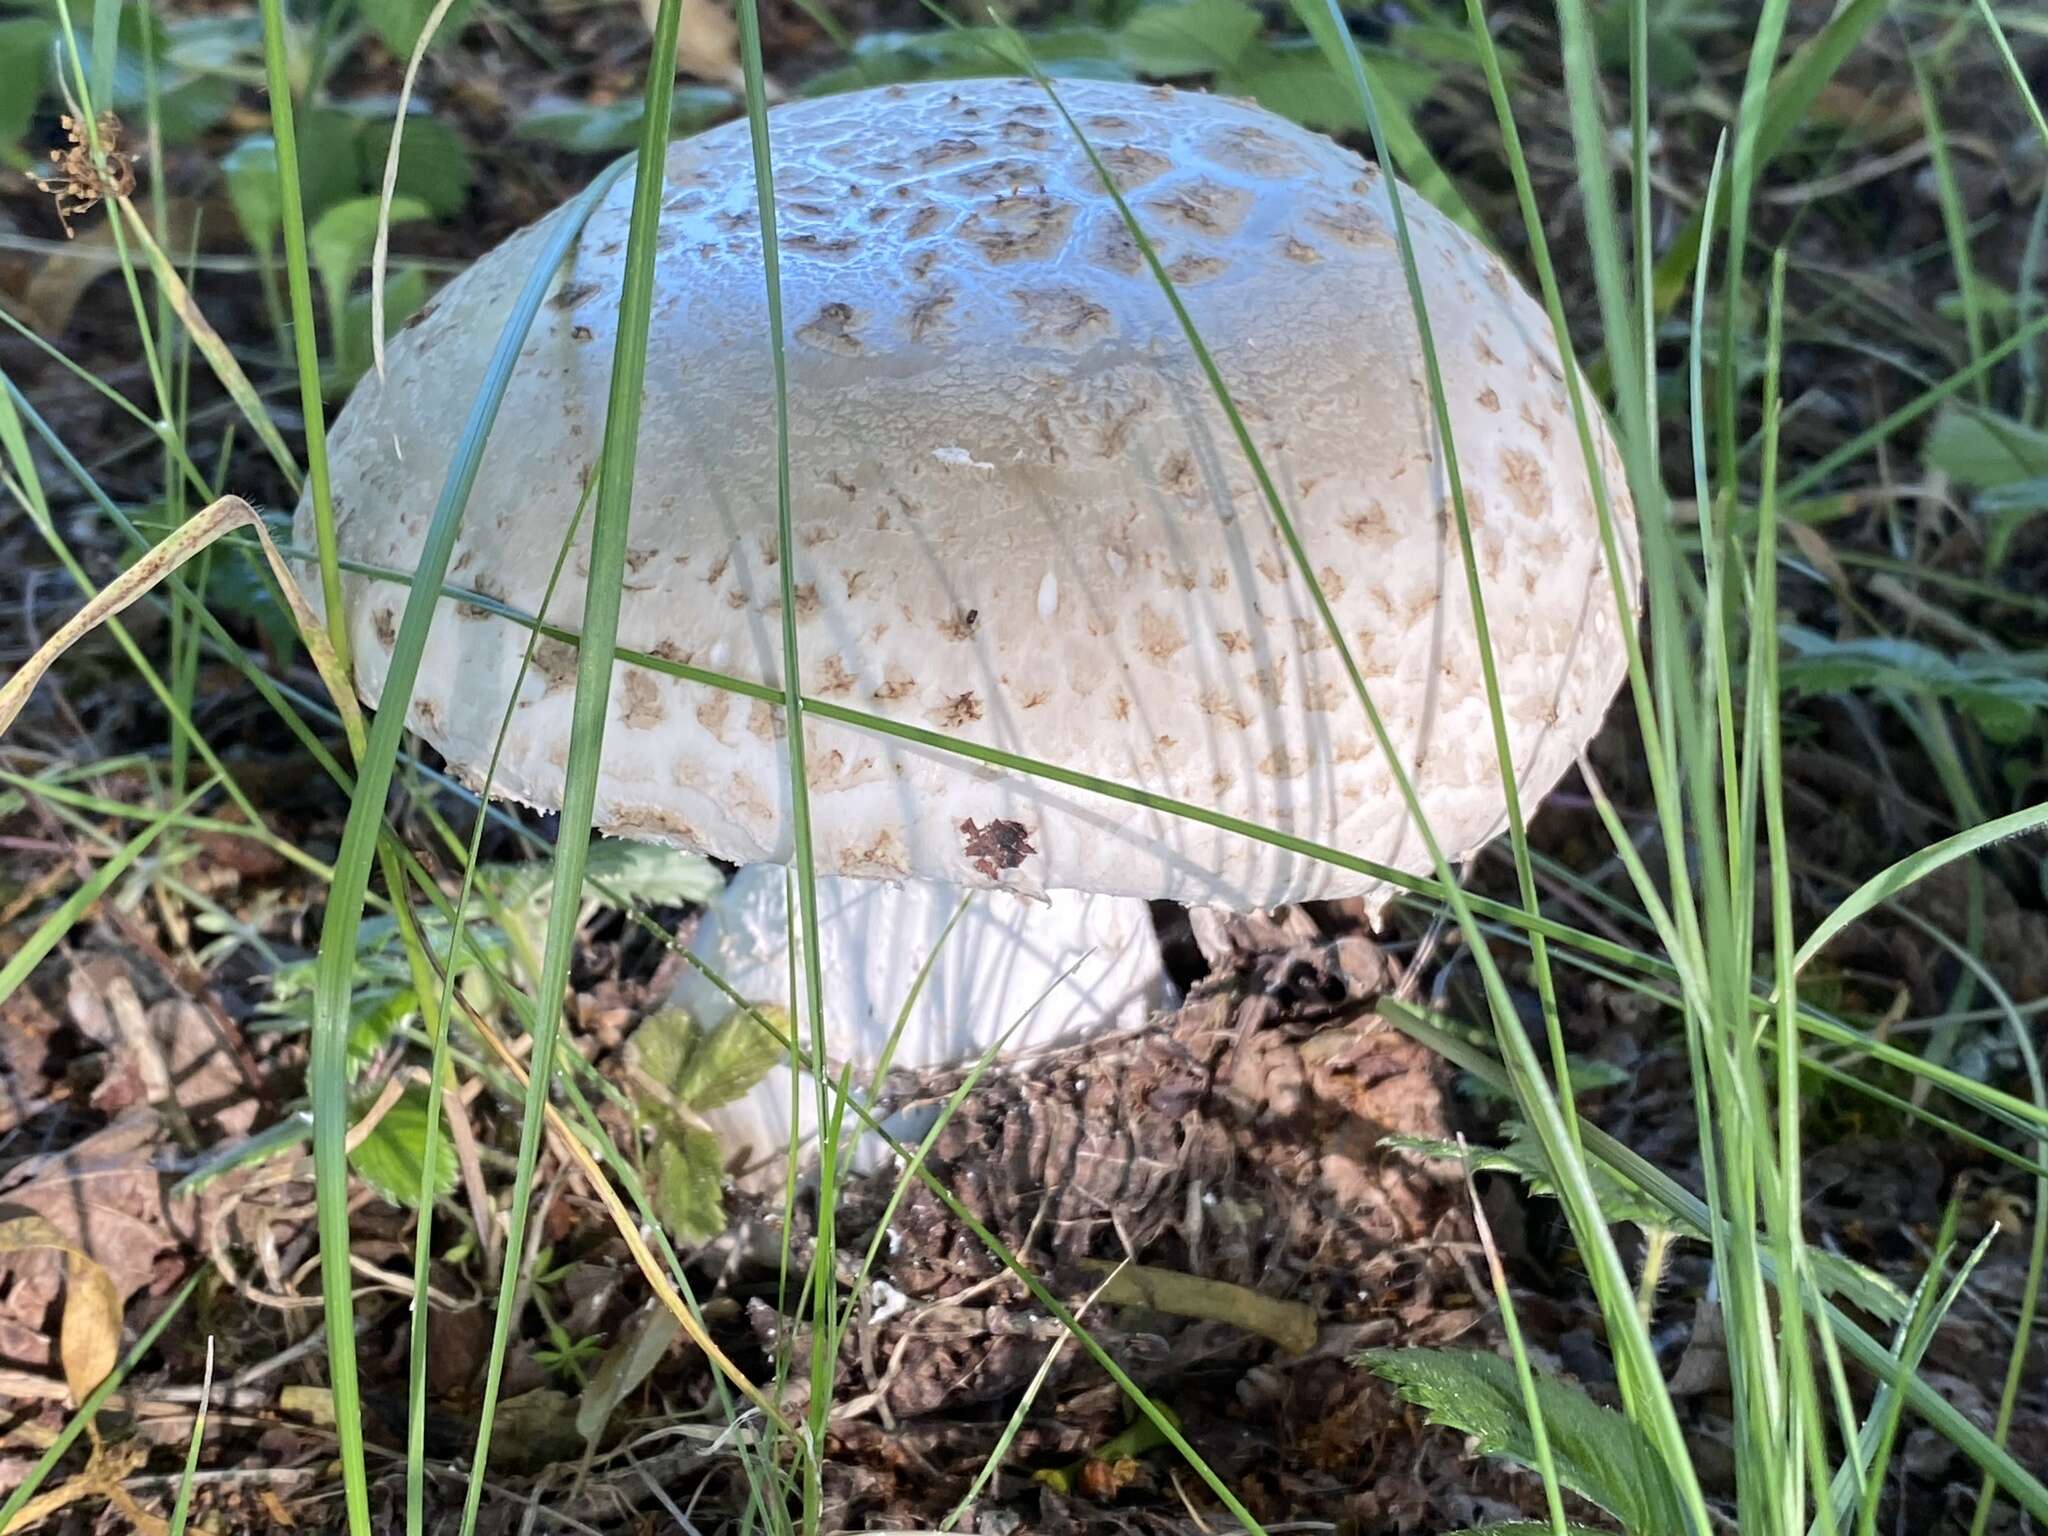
<point x="104" y="1199"/>
<point x="89" y="1341"/>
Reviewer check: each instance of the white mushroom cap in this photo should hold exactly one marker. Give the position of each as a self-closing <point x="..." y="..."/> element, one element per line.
<point x="1021" y="516"/>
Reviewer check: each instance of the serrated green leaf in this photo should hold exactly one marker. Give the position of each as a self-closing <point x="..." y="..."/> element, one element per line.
<point x="390" y="1158"/>
<point x="652" y="875"/>
<point x="1599" y="1454"/>
<point x="730" y="1060"/>
<point x="700" y="1070"/>
<point x="376" y="1014"/>
<point x="1188" y="37"/>
<point x="689" y="1179"/>
<point x="251" y="171"/>
<point x="433" y="164"/>
<point x="619" y="869"/>
<point x="1620" y="1200"/>
<point x="398" y="23"/>
<point x="661" y="1047"/>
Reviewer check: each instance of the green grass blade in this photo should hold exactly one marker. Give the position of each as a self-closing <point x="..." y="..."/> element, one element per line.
<point x="438" y="1061"/>
<point x="1955" y="218"/>
<point x="51" y="930"/>
<point x="299" y="282"/>
<point x="804" y="911"/>
<point x="1793" y="92"/>
<point x="2027" y="95"/>
<point x="327" y="1077"/>
<point x="1942" y="1416"/>
<point x="603" y="592"/>
<point x="1888" y="883"/>
<point x="1927" y="1317"/>
<point x="181" y="1510"/>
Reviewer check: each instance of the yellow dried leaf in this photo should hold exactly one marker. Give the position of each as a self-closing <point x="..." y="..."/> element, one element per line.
<point x="89" y="1339"/>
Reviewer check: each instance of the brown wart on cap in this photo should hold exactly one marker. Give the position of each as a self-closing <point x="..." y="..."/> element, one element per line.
<point x="996" y="415"/>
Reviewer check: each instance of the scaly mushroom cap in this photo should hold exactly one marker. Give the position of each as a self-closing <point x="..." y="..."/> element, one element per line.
<point x="1021" y="516"/>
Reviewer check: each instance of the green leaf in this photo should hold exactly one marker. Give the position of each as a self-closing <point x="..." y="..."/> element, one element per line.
<point x="251" y="171"/>
<point x="887" y="58"/>
<point x="340" y="243"/>
<point x="1620" y="1200"/>
<point x="662" y="1046"/>
<point x="652" y="875"/>
<point x="732" y="1059"/>
<point x="689" y="1178"/>
<point x="2006" y="511"/>
<point x="1990" y="687"/>
<point x="288" y="1134"/>
<point x="1297" y="83"/>
<point x="699" y="1070"/>
<point x="1191" y="37"/>
<point x="1589" y="1074"/>
<point x="619" y="871"/>
<point x="1599" y="1454"/>
<point x="433" y="165"/>
<point x="404" y="292"/>
<point x="1985" y="450"/>
<point x="187" y="109"/>
<point x="398" y="23"/>
<point x="1294" y="79"/>
<point x="229" y="45"/>
<point x="328" y="168"/>
<point x="390" y="1158"/>
<point x="24" y="55"/>
<point x="612" y="126"/>
<point x="1410" y="150"/>
<point x="375" y="1015"/>
<point x="1674" y="62"/>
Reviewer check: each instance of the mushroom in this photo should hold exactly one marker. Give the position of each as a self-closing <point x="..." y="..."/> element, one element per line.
<point x="1021" y="519"/>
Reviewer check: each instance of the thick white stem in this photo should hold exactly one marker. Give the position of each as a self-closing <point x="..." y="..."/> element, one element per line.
<point x="1071" y="966"/>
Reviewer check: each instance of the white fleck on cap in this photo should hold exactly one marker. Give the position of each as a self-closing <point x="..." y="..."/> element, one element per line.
<point x="1021" y="516"/>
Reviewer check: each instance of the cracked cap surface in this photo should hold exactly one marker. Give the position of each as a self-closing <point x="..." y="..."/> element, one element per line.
<point x="1021" y="516"/>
